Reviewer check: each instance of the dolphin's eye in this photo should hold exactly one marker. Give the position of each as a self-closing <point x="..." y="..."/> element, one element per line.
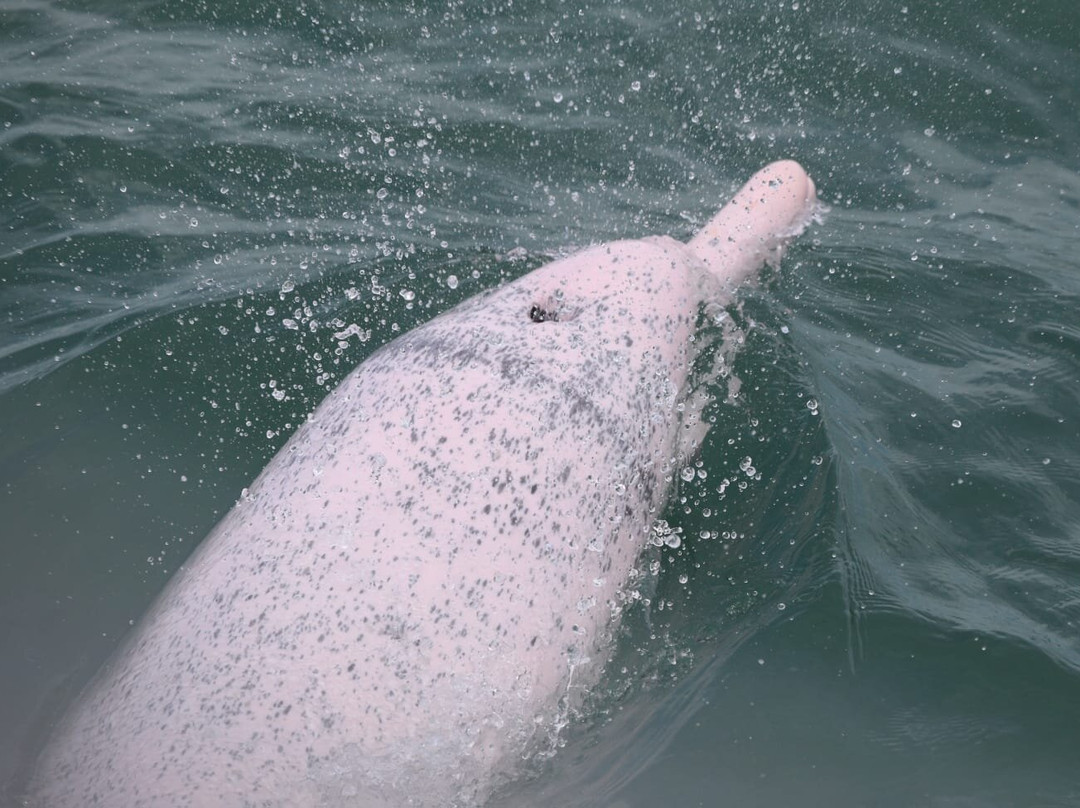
<point x="541" y="315"/>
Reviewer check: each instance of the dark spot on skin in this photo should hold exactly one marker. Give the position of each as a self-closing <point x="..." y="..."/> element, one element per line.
<point x="541" y="315"/>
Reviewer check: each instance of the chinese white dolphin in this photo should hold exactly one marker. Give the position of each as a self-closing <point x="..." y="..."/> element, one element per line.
<point x="404" y="603"/>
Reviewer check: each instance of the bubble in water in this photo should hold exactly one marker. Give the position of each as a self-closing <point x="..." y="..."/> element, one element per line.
<point x="956" y="423"/>
<point x="352" y="330"/>
<point x="664" y="534"/>
<point x="687" y="474"/>
<point x="407" y="294"/>
<point x="452" y="281"/>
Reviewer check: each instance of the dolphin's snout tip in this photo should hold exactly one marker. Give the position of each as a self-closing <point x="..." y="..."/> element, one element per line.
<point x="786" y="185"/>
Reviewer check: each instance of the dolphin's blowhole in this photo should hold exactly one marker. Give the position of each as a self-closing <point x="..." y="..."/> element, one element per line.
<point x="539" y="314"/>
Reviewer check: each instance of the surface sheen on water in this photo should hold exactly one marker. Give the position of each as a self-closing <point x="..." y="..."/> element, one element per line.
<point x="211" y="212"/>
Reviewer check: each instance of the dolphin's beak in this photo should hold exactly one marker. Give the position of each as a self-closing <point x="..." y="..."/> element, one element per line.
<point x="775" y="205"/>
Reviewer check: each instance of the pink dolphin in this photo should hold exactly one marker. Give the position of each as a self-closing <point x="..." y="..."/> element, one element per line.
<point x="405" y="604"/>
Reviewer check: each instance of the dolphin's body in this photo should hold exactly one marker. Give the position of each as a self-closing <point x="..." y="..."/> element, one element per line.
<point x="416" y="585"/>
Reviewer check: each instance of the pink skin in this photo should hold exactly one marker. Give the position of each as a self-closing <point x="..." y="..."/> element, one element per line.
<point x="420" y="586"/>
